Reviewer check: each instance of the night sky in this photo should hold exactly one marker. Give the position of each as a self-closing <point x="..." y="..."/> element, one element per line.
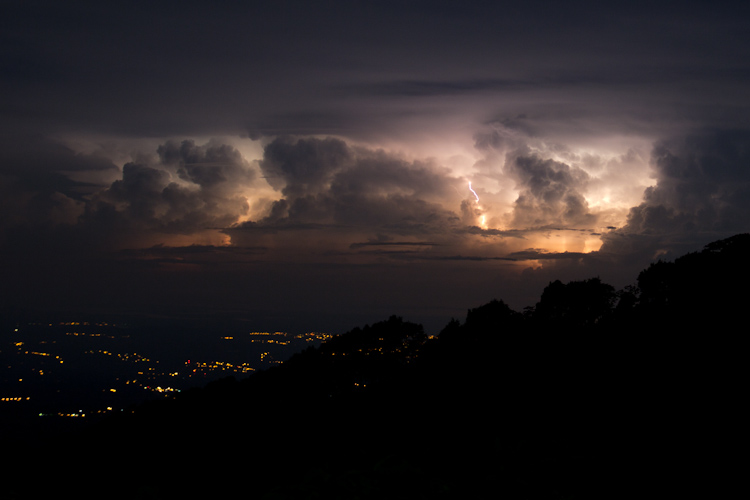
<point x="314" y="166"/>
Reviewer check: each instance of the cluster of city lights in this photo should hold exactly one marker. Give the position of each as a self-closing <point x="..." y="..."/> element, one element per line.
<point x="80" y="414"/>
<point x="217" y="366"/>
<point x="134" y="357"/>
<point x="147" y="376"/>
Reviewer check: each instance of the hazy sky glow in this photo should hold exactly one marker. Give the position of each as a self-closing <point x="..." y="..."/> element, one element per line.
<point x="306" y="165"/>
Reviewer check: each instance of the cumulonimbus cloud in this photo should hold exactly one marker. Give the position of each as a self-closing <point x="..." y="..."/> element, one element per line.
<point x="702" y="193"/>
<point x="190" y="189"/>
<point x="549" y="192"/>
<point x="327" y="181"/>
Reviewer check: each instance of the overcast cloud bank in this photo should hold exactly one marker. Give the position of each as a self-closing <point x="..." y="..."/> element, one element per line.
<point x="294" y="161"/>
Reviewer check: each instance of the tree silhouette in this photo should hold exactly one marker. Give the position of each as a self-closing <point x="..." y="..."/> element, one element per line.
<point x="575" y="305"/>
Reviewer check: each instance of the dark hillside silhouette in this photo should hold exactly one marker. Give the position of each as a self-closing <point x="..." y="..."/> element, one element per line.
<point x="704" y="289"/>
<point x="593" y="393"/>
<point x="578" y="305"/>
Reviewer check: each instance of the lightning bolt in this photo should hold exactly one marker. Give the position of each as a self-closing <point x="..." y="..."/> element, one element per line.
<point x="482" y="217"/>
<point x="475" y="193"/>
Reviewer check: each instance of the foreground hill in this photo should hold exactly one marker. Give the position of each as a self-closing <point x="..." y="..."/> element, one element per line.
<point x="592" y="393"/>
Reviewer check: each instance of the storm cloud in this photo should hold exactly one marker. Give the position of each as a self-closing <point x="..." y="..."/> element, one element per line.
<point x="549" y="193"/>
<point x="702" y="189"/>
<point x="332" y="146"/>
<point x="188" y="190"/>
<point x="326" y="181"/>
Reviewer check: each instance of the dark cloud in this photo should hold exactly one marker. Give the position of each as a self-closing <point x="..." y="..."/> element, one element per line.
<point x="424" y="88"/>
<point x="209" y="166"/>
<point x="140" y="189"/>
<point x="84" y="67"/>
<point x="192" y="254"/>
<point x="34" y="157"/>
<point x="513" y="233"/>
<point x="190" y="189"/>
<point x="325" y="181"/>
<point x="471" y="258"/>
<point x="303" y="166"/>
<point x="702" y="194"/>
<point x="549" y="108"/>
<point x="204" y="190"/>
<point x="541" y="254"/>
<point x="37" y="179"/>
<point x="549" y="192"/>
<point x="392" y="244"/>
<point x="703" y="182"/>
<point x="38" y="185"/>
<point x="377" y="172"/>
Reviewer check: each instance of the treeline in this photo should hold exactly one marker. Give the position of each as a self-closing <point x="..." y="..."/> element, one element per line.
<point x="592" y="393"/>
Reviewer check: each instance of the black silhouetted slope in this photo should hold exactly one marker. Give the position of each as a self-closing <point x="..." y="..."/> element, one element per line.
<point x="592" y="393"/>
<point x="578" y="305"/>
<point x="704" y="289"/>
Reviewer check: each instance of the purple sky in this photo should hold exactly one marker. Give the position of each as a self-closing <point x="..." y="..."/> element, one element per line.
<point x="306" y="165"/>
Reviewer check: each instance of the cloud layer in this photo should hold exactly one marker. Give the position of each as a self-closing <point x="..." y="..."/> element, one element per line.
<point x="700" y="195"/>
<point x="277" y="157"/>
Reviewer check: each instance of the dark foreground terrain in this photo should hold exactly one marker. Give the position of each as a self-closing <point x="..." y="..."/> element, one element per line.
<point x="593" y="393"/>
